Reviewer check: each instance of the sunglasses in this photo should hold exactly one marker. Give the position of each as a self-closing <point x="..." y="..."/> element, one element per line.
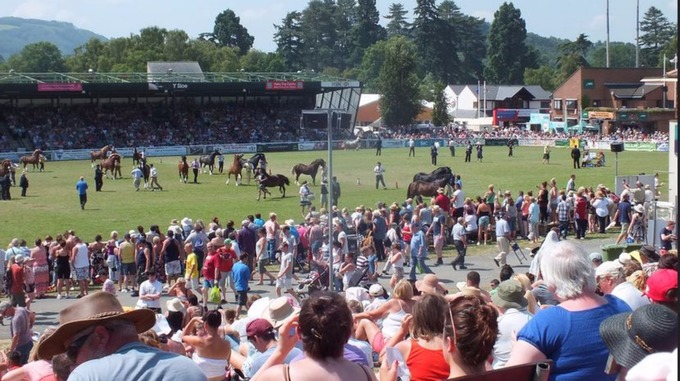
<point x="74" y="348"/>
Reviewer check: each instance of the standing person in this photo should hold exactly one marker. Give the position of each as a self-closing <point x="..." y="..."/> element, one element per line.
<point x="195" y="166"/>
<point x="153" y="172"/>
<point x="502" y="239"/>
<point x="63" y="270"/>
<point x="324" y="194"/>
<point x="468" y="151"/>
<point x="261" y="256"/>
<point x="668" y="236"/>
<point x="379" y="234"/>
<point x="16" y="291"/>
<point x="378" y="146"/>
<point x="480" y="152"/>
<point x="227" y="257"/>
<point x="418" y="252"/>
<point x="210" y="271"/>
<point x="128" y="269"/>
<point x="98" y="178"/>
<point x="433" y="154"/>
<point x="563" y="216"/>
<point x="437" y="231"/>
<point x="241" y="275"/>
<point x="581" y="214"/>
<point x="638" y="225"/>
<point x="510" y="147"/>
<point x="41" y="273"/>
<point x="272" y="228"/>
<point x="23" y="183"/>
<point x="452" y="147"/>
<point x="546" y="154"/>
<point x="5" y="184"/>
<point x="305" y="195"/>
<point x="137" y="176"/>
<point x="150" y="293"/>
<point x="335" y="186"/>
<point x="571" y="184"/>
<point x="284" y="279"/>
<point x="172" y="257"/>
<point x="20" y="328"/>
<point x="81" y="187"/>
<point x="459" y="236"/>
<point x="220" y="163"/>
<point x="81" y="265"/>
<point x="379" y="172"/>
<point x="576" y="156"/>
<point x="198" y="239"/>
<point x="623" y="216"/>
<point x="411" y="148"/>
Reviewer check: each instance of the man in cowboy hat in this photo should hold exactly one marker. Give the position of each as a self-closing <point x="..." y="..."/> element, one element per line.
<point x="101" y="340"/>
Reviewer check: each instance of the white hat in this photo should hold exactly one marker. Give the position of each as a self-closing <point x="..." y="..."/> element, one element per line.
<point x="376" y="290"/>
<point x="639" y="208"/>
<point x="19" y="258"/>
<point x="175" y="305"/>
<point x="612" y="268"/>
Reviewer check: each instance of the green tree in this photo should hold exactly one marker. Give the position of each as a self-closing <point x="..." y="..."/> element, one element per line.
<point x="228" y="31"/>
<point x="670" y="50"/>
<point x="543" y="76"/>
<point x="289" y="43"/>
<point x="397" y="26"/>
<point x="621" y="54"/>
<point x="507" y="53"/>
<point x="398" y="83"/>
<point x="87" y="56"/>
<point x="656" y="32"/>
<point x="40" y="57"/>
<point x="365" y="32"/>
<point x="371" y="64"/>
<point x="468" y="42"/>
<point x="176" y="45"/>
<point x="576" y="50"/>
<point x="320" y="36"/>
<point x="440" y="111"/>
<point x="435" y="41"/>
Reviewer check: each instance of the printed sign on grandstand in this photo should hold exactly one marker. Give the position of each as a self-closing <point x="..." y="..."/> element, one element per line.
<point x="60" y="87"/>
<point x="340" y="84"/>
<point x="284" y="85"/>
<point x="236" y="148"/>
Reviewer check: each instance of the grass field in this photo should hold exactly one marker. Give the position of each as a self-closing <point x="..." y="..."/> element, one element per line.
<point x="52" y="203"/>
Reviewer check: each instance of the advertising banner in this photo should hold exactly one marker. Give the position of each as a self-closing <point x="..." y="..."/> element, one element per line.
<point x="496" y="142"/>
<point x="284" y="85"/>
<point x="639" y="146"/>
<point x="235" y="148"/>
<point x="277" y="147"/>
<point x="60" y="87"/>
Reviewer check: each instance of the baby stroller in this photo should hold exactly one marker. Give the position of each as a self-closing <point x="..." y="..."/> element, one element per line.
<point x="315" y="281"/>
<point x="97" y="262"/>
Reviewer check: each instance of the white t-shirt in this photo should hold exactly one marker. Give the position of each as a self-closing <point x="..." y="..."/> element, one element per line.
<point x="631" y="295"/>
<point x="146" y="288"/>
<point x="459" y="197"/>
<point x="511" y="321"/>
<point x="287" y="259"/>
<point x="81" y="259"/>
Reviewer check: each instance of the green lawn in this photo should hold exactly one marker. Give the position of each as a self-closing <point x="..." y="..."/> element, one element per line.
<point x="52" y="203"/>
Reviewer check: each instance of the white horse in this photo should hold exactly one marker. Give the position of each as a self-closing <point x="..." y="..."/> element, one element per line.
<point x="353" y="144"/>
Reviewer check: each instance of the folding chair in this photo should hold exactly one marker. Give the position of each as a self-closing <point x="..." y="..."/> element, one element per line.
<point x="358" y="277"/>
<point x="515" y="248"/>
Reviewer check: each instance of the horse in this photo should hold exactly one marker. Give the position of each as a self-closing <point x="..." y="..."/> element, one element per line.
<point x="112" y="163"/>
<point x="183" y="168"/>
<point x="7" y="167"/>
<point x="101" y="154"/>
<point x="146" y="172"/>
<point x="304" y="169"/>
<point x="271" y="181"/>
<point x="136" y="157"/>
<point x="353" y="144"/>
<point x="439" y="173"/>
<point x="33" y="158"/>
<point x="209" y="161"/>
<point x="235" y="169"/>
<point x="41" y="163"/>
<point x="252" y="165"/>
<point x="425" y="188"/>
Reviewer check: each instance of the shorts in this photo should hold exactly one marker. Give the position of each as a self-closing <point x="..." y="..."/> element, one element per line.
<point x="261" y="269"/>
<point x="379" y="342"/>
<point x="483" y="222"/>
<point x="208" y="283"/>
<point x="82" y="273"/>
<point x="225" y="279"/>
<point x="173" y="268"/>
<point x="512" y="223"/>
<point x="192" y="284"/>
<point x="128" y="268"/>
<point x="242" y="297"/>
<point x="624" y="226"/>
<point x="398" y="273"/>
<point x="284" y="283"/>
<point x="63" y="272"/>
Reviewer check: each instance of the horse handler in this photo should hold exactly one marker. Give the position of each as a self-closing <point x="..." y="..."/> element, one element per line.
<point x="153" y="172"/>
<point x="137" y="176"/>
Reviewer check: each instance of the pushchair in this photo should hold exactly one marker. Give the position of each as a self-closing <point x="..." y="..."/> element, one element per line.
<point x="315" y="281"/>
<point x="97" y="263"/>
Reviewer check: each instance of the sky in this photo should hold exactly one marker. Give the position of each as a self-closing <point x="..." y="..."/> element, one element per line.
<point x="120" y="18"/>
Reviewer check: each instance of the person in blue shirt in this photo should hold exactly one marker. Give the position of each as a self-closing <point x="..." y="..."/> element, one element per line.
<point x="241" y="275"/>
<point x="418" y="252"/>
<point x="81" y="187"/>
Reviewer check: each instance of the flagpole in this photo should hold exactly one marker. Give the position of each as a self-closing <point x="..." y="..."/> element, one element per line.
<point x="478" y="99"/>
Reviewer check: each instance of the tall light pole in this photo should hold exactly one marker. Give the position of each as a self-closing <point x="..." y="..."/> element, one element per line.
<point x="607" y="43"/>
<point x="637" y="35"/>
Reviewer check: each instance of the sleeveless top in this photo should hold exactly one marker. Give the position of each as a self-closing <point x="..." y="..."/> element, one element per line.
<point x="171" y="252"/>
<point x="426" y="364"/>
<point x="392" y="322"/>
<point x="141" y="258"/>
<point x="286" y="372"/>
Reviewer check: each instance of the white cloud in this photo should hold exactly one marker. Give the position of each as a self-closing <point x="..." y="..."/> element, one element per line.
<point x="673" y="5"/>
<point x="486" y="15"/>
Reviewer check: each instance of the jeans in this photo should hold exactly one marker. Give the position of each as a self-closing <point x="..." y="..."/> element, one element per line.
<point x="371" y="263"/>
<point x="581" y="227"/>
<point x="271" y="245"/>
<point x="418" y="262"/>
<point x="564" y="228"/>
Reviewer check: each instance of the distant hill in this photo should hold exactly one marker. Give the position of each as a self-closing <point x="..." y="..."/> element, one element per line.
<point x="15" y="33"/>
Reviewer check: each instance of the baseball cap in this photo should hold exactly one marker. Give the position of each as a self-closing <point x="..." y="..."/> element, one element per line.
<point x="376" y="290"/>
<point x="612" y="268"/>
<point x="259" y="327"/>
<point x="595" y="257"/>
<point x="659" y="283"/>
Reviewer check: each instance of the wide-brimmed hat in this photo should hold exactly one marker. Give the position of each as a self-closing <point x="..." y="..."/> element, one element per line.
<point x="175" y="305"/>
<point x="279" y="311"/>
<point x="649" y="251"/>
<point x="639" y="208"/>
<point x="90" y="310"/>
<point x="430" y="285"/>
<point x="376" y="290"/>
<point x="631" y="336"/>
<point x="290" y="222"/>
<point x="509" y="294"/>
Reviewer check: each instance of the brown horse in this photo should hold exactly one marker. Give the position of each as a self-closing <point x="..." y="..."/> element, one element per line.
<point x="100" y="155"/>
<point x="112" y="163"/>
<point x="236" y="169"/>
<point x="183" y="168"/>
<point x="136" y="157"/>
<point x="304" y="169"/>
<point x="270" y="181"/>
<point x="7" y="167"/>
<point x="425" y="188"/>
<point x="33" y="158"/>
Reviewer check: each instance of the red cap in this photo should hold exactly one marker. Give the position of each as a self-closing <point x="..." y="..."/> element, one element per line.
<point x="259" y="327"/>
<point x="659" y="283"/>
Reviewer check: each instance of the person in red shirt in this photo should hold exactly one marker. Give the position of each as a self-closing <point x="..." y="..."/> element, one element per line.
<point x="210" y="271"/>
<point x="16" y="291"/>
<point x="581" y="214"/>
<point x="444" y="203"/>
<point x="226" y="256"/>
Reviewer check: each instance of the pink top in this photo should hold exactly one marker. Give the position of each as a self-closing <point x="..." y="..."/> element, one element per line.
<point x="39" y="256"/>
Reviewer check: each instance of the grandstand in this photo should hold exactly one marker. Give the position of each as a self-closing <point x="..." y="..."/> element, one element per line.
<point x="173" y="103"/>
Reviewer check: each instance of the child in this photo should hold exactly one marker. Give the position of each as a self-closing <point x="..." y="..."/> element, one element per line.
<point x="107" y="284"/>
<point x="396" y="259"/>
<point x="494" y="286"/>
<point x="191" y="272"/>
<point x="347" y="269"/>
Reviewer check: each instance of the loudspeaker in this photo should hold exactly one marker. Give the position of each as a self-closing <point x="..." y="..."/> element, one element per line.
<point x="617" y="147"/>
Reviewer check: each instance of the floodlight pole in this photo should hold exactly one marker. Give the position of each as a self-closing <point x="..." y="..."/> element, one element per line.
<point x="616" y="172"/>
<point x="329" y="176"/>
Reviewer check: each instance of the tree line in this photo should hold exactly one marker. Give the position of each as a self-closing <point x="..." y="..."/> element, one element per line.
<point x="405" y="61"/>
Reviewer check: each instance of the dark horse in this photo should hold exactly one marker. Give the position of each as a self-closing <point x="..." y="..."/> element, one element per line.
<point x="183" y="168"/>
<point x="136" y="157"/>
<point x="253" y="165"/>
<point x="209" y="161"/>
<point x="33" y="158"/>
<point x="101" y="154"/>
<point x="304" y="169"/>
<point x="112" y="163"/>
<point x="270" y="181"/>
<point x="425" y="188"/>
<point x="146" y="172"/>
<point x="439" y="173"/>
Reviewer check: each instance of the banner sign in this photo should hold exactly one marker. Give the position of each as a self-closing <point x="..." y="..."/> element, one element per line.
<point x="284" y="85"/>
<point x="496" y="142"/>
<point x="341" y="84"/>
<point x="60" y="87"/>
<point x="639" y="146"/>
<point x="600" y="115"/>
<point x="236" y="148"/>
<point x="277" y="147"/>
